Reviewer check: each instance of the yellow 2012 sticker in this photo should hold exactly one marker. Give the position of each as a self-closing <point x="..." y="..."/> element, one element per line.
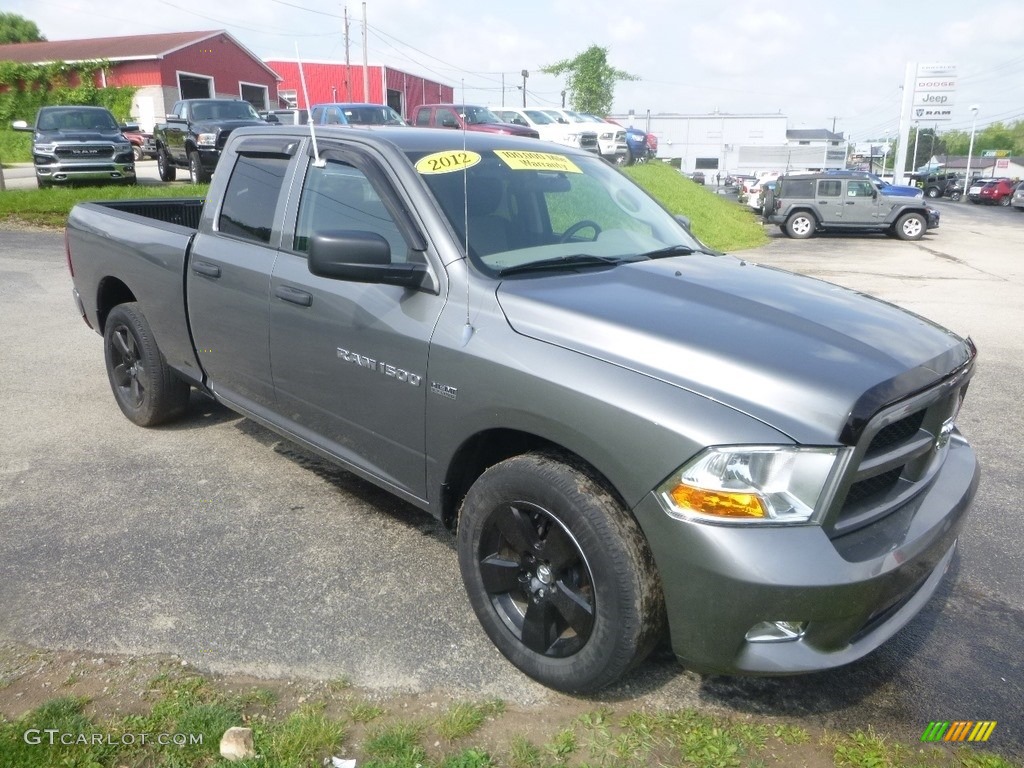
<point x="537" y="161"/>
<point x="447" y="162"/>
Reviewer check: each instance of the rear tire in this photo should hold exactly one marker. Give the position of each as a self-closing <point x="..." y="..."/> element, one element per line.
<point x="558" y="572"/>
<point x="147" y="391"/>
<point x="800" y="225"/>
<point x="164" y="166"/>
<point x="910" y="226"/>
<point x="1005" y="202"/>
<point x="932" y="192"/>
<point x="195" y="169"/>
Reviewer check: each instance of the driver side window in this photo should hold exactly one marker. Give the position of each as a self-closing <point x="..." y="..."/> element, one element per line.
<point x="339" y="196"/>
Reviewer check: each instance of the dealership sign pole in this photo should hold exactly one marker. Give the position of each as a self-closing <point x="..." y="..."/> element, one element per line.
<point x="929" y="92"/>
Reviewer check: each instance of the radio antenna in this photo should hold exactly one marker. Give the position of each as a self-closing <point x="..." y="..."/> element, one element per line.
<point x="467" y="329"/>
<point x="317" y="162"/>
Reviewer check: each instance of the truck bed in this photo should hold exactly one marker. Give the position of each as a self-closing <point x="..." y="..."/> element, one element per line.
<point x="125" y="250"/>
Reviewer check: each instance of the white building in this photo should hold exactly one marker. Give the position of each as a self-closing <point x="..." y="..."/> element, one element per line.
<point x="751" y="144"/>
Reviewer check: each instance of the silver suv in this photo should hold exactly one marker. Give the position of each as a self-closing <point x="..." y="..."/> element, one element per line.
<point x="803" y="204"/>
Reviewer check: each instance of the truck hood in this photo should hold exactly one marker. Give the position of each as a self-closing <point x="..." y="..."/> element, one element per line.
<point x="48" y="137"/>
<point x="213" y="126"/>
<point x="796" y="353"/>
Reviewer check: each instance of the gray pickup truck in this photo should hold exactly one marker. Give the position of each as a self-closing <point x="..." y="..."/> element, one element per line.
<point x="630" y="433"/>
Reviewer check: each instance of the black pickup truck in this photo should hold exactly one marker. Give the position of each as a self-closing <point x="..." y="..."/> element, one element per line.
<point x="194" y="135"/>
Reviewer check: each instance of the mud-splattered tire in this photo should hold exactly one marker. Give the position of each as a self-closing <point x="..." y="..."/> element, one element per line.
<point x="558" y="572"/>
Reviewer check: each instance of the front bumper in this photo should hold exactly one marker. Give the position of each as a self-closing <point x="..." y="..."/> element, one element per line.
<point x="57" y="173"/>
<point x="854" y="592"/>
<point x="208" y="158"/>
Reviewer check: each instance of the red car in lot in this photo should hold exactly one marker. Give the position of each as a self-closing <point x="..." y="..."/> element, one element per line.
<point x="997" y="191"/>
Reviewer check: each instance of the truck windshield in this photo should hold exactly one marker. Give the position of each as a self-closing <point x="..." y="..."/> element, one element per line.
<point x="76" y="119"/>
<point x="224" y="110"/>
<point x="513" y="208"/>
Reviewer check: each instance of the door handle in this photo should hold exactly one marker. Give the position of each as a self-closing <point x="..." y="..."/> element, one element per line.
<point x="293" y="295"/>
<point x="205" y="268"/>
<point x="850" y="202"/>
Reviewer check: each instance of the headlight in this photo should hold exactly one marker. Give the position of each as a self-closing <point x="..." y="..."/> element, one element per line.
<point x="207" y="139"/>
<point x="45" y="148"/>
<point x="119" y="148"/>
<point x="750" y="484"/>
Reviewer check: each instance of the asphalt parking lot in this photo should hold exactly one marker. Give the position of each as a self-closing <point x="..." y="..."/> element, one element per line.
<point x="215" y="540"/>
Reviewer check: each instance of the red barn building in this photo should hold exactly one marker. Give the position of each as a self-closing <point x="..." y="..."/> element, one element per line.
<point x="332" y="81"/>
<point x="165" y="68"/>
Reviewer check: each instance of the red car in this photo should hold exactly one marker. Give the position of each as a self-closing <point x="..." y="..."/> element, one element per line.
<point x="997" y="191"/>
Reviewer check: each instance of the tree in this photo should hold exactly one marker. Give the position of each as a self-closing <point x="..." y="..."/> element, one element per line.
<point x="18" y="29"/>
<point x="591" y="79"/>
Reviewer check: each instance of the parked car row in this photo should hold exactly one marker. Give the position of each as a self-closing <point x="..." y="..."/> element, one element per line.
<point x="992" y="191"/>
<point x="195" y="131"/>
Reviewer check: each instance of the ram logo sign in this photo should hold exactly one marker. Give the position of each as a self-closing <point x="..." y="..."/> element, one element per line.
<point x="934" y="92"/>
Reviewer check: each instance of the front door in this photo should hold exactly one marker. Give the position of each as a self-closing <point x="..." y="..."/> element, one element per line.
<point x="860" y="205"/>
<point x="350" y="359"/>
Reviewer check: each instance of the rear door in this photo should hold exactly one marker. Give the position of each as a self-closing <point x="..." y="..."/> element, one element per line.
<point x="350" y="359"/>
<point x="228" y="278"/>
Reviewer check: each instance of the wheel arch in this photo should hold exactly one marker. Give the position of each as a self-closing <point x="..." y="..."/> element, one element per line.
<point x="484" y="449"/>
<point x="809" y="210"/>
<point x="110" y="292"/>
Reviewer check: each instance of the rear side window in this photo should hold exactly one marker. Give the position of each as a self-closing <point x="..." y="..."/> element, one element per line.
<point x="799" y="188"/>
<point x="830" y="188"/>
<point x="250" y="199"/>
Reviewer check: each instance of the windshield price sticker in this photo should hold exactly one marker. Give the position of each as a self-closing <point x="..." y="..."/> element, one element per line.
<point x="447" y="162"/>
<point x="537" y="161"/>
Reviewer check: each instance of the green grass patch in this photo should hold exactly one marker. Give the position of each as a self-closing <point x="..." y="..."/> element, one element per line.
<point x="397" y="746"/>
<point x="50" y="207"/>
<point x="365" y="713"/>
<point x="191" y="706"/>
<point x="718" y="221"/>
<point x="15" y="146"/>
<point x="465" y="718"/>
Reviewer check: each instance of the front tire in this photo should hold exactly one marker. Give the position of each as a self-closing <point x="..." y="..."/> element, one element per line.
<point x="800" y="226"/>
<point x="164" y="167"/>
<point x="558" y="572"/>
<point x="910" y="226"/>
<point x="137" y="153"/>
<point x="195" y="169"/>
<point x="147" y="391"/>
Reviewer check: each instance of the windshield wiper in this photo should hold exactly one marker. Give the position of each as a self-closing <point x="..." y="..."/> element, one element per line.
<point x="670" y="250"/>
<point x="562" y="262"/>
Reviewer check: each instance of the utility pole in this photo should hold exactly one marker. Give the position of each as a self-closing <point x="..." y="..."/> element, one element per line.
<point x="348" y="63"/>
<point x="525" y="74"/>
<point x="366" y="65"/>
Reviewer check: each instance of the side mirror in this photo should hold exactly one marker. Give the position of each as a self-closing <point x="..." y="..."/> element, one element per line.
<point x="20" y="125"/>
<point x="361" y="257"/>
<point x="272" y="119"/>
<point x="684" y="222"/>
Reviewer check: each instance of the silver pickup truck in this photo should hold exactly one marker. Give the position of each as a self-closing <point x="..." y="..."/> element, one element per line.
<point x="630" y="433"/>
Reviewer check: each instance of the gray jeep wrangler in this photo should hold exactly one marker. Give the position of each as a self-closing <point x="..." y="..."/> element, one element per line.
<point x="803" y="204"/>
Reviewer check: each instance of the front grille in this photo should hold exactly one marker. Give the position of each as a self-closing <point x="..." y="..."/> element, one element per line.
<point x="895" y="433"/>
<point x="588" y="140"/>
<point x="85" y="152"/>
<point x="897" y="456"/>
<point x="222" y="138"/>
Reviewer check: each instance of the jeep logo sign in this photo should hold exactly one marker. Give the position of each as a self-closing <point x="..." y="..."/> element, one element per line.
<point x="934" y="92"/>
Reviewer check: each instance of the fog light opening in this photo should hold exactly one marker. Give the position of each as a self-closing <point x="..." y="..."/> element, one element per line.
<point x="776" y="631"/>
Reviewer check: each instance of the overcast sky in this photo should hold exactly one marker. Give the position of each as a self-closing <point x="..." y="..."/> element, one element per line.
<point x="815" y="62"/>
